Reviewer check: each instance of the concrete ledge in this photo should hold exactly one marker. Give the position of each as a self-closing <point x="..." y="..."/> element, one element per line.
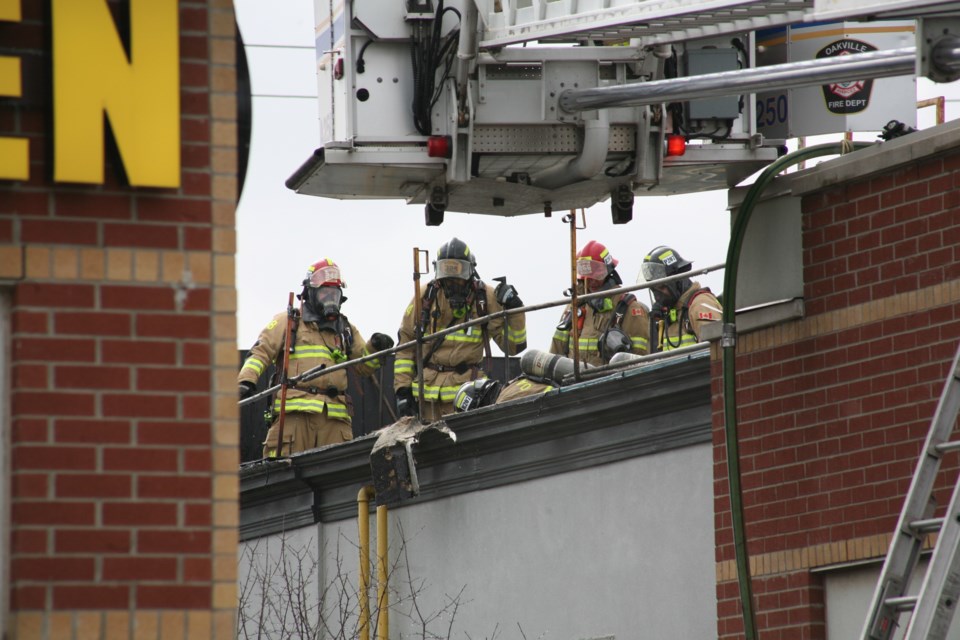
<point x="758" y="317"/>
<point x="881" y="157"/>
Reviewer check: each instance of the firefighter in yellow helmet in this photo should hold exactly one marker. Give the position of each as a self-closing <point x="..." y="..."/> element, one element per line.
<point x="317" y="411"/>
<point x="680" y="307"/>
<point x="455" y="295"/>
<point x="606" y="325"/>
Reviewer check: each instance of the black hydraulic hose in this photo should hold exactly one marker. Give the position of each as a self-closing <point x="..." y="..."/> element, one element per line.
<point x="728" y="342"/>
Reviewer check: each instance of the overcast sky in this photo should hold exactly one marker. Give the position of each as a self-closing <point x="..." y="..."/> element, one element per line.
<point x="280" y="233"/>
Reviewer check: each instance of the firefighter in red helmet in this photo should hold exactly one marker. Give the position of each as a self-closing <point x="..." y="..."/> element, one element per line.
<point x="316" y="411"/>
<point x="455" y="295"/>
<point x="606" y="325"/>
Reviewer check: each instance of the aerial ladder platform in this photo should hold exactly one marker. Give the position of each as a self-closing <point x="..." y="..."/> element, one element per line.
<point x="512" y="107"/>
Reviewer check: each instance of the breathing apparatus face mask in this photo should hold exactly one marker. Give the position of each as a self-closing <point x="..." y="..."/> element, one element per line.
<point x="667" y="295"/>
<point x="325" y="301"/>
<point x="457" y="291"/>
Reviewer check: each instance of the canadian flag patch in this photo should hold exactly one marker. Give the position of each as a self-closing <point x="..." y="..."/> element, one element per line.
<point x="705" y="315"/>
<point x="636" y="311"/>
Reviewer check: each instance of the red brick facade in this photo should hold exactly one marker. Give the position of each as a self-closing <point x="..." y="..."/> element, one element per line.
<point x="833" y="408"/>
<point x="123" y="444"/>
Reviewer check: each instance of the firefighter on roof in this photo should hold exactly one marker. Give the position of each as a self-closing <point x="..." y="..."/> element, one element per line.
<point x="455" y="295"/>
<point x="605" y="325"/>
<point x="681" y="307"/>
<point x="317" y="412"/>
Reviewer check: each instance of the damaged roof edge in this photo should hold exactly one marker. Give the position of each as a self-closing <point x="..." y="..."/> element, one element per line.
<point x="624" y="415"/>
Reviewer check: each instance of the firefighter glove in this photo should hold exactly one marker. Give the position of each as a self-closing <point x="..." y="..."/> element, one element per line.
<point x="246" y="389"/>
<point x="406" y="404"/>
<point x="506" y="295"/>
<point x="381" y="341"/>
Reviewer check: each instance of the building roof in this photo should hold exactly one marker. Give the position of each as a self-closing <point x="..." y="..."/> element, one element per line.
<point x="650" y="408"/>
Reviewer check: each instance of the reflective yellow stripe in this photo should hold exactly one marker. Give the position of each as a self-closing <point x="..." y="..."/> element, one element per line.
<point x="687" y="340"/>
<point x="373" y="364"/>
<point x="403" y="366"/>
<point x="562" y="336"/>
<point x="311" y="352"/>
<point x="516" y="336"/>
<point x="588" y="344"/>
<point x="460" y="337"/>
<point x="254" y="365"/>
<point x="314" y="405"/>
<point x="639" y="343"/>
<point x="435" y="392"/>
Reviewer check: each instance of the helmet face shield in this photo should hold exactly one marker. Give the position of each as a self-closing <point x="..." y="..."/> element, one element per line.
<point x="652" y="271"/>
<point x="451" y="268"/>
<point x="588" y="269"/>
<point x="322" y="275"/>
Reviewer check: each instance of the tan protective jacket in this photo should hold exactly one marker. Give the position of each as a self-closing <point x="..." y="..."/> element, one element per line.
<point x="464" y="348"/>
<point x="313" y="347"/>
<point x="682" y="329"/>
<point x="636" y="324"/>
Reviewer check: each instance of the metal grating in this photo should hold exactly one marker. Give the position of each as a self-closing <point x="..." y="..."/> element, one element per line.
<point x="557" y="138"/>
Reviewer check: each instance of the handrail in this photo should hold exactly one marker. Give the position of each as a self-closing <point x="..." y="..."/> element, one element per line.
<point x="316" y="372"/>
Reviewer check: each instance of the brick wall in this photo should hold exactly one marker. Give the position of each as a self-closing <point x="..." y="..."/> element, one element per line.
<point x="123" y="359"/>
<point x="833" y="408"/>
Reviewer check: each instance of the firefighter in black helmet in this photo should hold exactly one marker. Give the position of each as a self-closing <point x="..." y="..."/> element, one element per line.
<point x="680" y="307"/>
<point x="455" y="295"/>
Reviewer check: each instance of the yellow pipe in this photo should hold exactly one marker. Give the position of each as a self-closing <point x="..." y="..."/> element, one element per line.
<point x="383" y="614"/>
<point x="363" y="525"/>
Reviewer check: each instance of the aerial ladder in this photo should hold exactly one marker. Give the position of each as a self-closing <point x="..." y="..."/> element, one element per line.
<point x="511" y="107"/>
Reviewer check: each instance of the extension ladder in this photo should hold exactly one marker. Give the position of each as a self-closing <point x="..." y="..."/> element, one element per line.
<point x="934" y="607"/>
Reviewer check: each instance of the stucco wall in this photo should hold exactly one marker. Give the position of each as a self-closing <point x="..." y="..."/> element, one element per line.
<point x="622" y="549"/>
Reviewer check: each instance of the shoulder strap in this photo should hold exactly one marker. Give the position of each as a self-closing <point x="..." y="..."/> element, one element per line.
<point x="686" y="306"/>
<point x="480" y="291"/>
<point x="346" y="335"/>
<point x="426" y="305"/>
<point x="621" y="309"/>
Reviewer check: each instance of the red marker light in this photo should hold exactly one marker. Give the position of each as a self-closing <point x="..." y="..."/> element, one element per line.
<point x="676" y="145"/>
<point x="439" y="146"/>
<point x="338" y="68"/>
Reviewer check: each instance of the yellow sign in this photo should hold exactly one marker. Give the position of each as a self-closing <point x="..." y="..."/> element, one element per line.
<point x="93" y="76"/>
<point x="14" y="152"/>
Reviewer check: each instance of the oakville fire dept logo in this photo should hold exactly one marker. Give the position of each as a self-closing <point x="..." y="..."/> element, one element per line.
<point x="846" y="97"/>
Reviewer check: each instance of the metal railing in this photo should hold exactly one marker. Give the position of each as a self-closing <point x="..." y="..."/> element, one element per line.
<point x="316" y="372"/>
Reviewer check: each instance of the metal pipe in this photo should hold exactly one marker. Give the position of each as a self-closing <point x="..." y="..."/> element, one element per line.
<point x="593" y="153"/>
<point x="574" y="305"/>
<point x="363" y="535"/>
<point x="466" y="54"/>
<point x="873" y="64"/>
<point x="383" y="604"/>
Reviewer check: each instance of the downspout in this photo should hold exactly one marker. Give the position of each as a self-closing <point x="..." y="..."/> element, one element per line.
<point x="728" y="342"/>
<point x="596" y="142"/>
<point x="363" y="529"/>
<point x="383" y="611"/>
